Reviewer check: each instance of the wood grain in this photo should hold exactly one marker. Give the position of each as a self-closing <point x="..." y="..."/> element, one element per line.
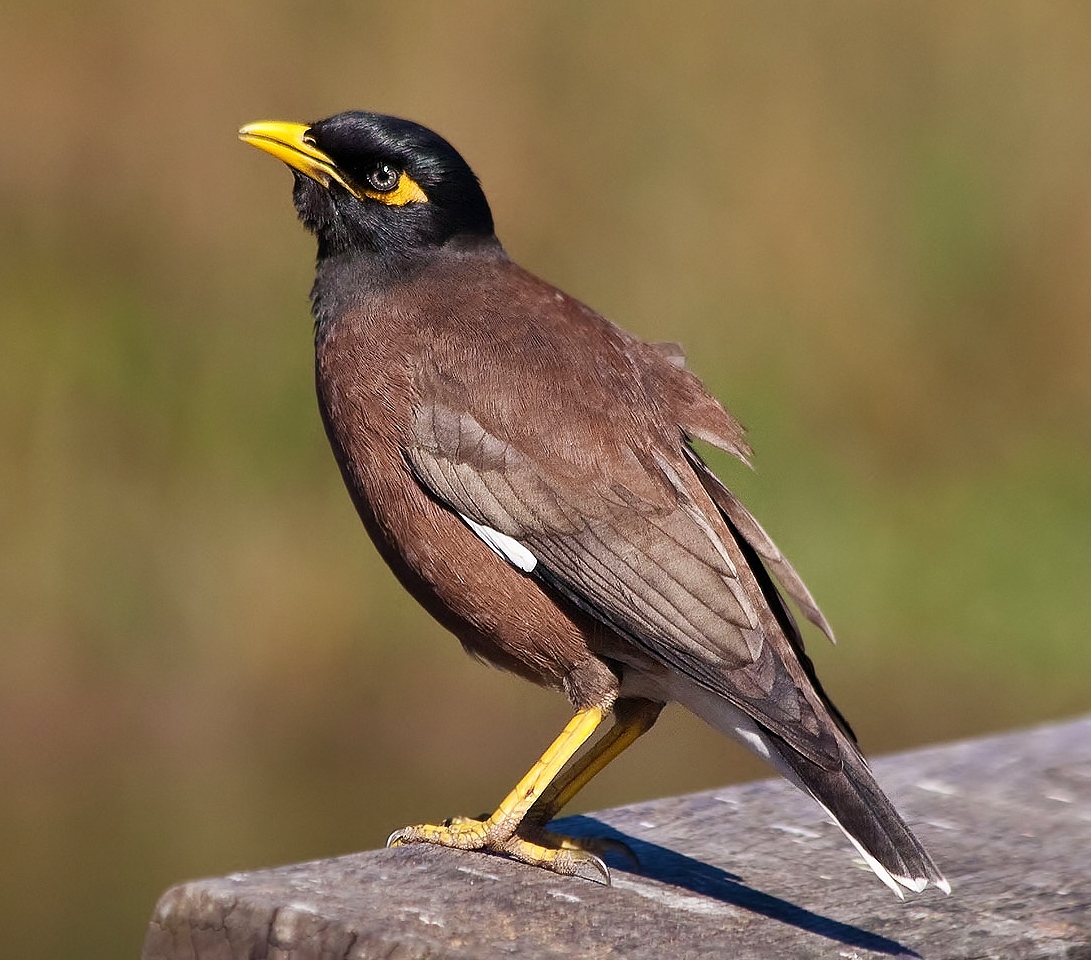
<point x="749" y="871"/>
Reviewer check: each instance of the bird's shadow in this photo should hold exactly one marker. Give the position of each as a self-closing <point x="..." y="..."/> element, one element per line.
<point x="667" y="866"/>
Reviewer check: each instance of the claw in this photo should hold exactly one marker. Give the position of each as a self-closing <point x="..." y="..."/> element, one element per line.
<point x="610" y="845"/>
<point x="560" y="854"/>
<point x="592" y="862"/>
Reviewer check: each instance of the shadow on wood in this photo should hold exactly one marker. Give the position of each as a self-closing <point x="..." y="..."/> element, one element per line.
<point x="753" y="871"/>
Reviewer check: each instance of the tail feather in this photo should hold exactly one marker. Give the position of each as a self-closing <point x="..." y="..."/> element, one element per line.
<point x="849" y="794"/>
<point x="860" y="808"/>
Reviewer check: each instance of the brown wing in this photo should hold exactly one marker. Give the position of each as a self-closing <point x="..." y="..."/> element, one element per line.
<point x="639" y="546"/>
<point x="702" y="417"/>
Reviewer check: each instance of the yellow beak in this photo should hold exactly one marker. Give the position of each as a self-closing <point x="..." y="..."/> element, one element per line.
<point x="291" y="142"/>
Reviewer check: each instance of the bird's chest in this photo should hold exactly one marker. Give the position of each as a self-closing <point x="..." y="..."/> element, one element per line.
<point x="365" y="396"/>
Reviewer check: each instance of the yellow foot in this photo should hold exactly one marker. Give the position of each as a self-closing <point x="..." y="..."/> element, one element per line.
<point x="564" y="855"/>
<point x="517" y="829"/>
<point x="599" y="846"/>
<point x="461" y="833"/>
<point x="568" y="856"/>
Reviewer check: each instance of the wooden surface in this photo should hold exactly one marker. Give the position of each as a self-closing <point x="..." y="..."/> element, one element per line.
<point x="748" y="871"/>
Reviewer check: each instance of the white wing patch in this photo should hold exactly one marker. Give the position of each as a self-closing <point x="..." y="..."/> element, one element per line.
<point x="504" y="546"/>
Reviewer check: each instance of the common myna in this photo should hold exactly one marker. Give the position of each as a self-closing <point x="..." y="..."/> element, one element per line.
<point x="527" y="470"/>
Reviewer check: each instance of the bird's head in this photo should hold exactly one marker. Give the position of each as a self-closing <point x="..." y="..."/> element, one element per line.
<point x="377" y="184"/>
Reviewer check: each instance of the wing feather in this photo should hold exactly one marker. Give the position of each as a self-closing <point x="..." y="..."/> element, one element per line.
<point x="641" y="554"/>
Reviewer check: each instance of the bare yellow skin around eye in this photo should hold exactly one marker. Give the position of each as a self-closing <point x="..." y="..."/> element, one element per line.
<point x="407" y="191"/>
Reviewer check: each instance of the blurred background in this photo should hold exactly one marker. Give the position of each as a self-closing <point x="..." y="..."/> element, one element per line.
<point x="869" y="226"/>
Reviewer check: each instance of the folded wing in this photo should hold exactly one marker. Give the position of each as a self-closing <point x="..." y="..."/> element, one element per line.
<point x="644" y="550"/>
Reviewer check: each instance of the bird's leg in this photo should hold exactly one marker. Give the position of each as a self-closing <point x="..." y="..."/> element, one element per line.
<point x="632" y="719"/>
<point x="497" y="832"/>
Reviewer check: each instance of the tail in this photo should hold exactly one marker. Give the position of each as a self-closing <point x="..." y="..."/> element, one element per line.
<point x="857" y="805"/>
<point x="849" y="794"/>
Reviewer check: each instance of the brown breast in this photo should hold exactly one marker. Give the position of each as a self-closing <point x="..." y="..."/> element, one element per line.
<point x="370" y="365"/>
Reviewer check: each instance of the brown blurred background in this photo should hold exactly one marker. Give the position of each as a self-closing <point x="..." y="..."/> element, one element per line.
<point x="870" y="226"/>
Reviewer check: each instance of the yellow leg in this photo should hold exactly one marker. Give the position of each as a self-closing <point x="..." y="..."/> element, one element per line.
<point x="633" y="718"/>
<point x="497" y="832"/>
<point x="516" y="828"/>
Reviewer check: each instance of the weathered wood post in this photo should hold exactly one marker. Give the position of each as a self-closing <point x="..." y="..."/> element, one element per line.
<point x="748" y="871"/>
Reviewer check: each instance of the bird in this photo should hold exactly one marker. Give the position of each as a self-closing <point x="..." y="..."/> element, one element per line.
<point x="530" y="473"/>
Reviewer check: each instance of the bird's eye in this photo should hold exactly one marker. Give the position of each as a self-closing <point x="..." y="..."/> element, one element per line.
<point x="383" y="177"/>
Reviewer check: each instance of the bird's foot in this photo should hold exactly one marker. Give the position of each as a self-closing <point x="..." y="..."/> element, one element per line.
<point x="459" y="833"/>
<point x="567" y="856"/>
<point x="535" y="829"/>
<point x="528" y="843"/>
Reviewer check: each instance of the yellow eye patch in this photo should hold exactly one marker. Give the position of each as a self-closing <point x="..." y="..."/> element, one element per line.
<point x="406" y="191"/>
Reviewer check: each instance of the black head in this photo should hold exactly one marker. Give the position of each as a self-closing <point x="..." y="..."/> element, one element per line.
<point x="377" y="184"/>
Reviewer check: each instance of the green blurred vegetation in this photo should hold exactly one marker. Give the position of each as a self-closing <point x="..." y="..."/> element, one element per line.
<point x="870" y="226"/>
